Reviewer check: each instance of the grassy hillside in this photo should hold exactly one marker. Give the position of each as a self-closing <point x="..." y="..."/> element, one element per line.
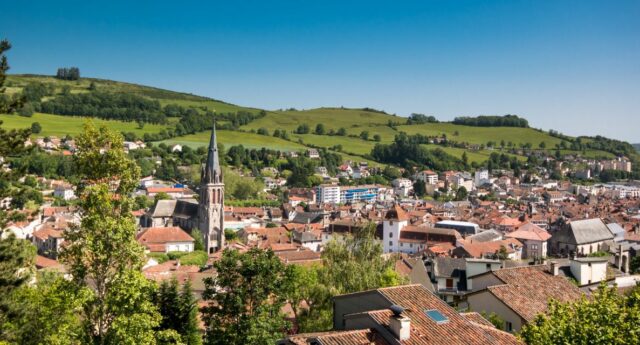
<point x="354" y="121"/>
<point x="58" y="125"/>
<point x="231" y="138"/>
<point x="332" y="118"/>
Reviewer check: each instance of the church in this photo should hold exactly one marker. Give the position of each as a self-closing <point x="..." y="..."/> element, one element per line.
<point x="205" y="214"/>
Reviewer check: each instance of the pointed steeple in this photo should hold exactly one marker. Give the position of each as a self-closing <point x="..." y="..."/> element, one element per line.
<point x="211" y="172"/>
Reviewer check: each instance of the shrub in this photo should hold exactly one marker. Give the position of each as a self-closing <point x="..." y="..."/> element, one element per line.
<point x="197" y="258"/>
<point x="176" y="255"/>
<point x="159" y="257"/>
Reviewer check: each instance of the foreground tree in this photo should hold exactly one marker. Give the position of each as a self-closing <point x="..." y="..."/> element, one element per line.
<point x="102" y="253"/>
<point x="16" y="255"/>
<point x="607" y="318"/>
<point x="352" y="264"/>
<point x="179" y="311"/>
<point x="246" y="297"/>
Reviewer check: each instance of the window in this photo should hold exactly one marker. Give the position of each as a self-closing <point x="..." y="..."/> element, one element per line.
<point x="410" y="245"/>
<point x="436" y="316"/>
<point x="391" y="235"/>
<point x="508" y="326"/>
<point x="390" y="243"/>
<point x="534" y="247"/>
<point x="401" y="244"/>
<point x="449" y="283"/>
<point x="488" y="267"/>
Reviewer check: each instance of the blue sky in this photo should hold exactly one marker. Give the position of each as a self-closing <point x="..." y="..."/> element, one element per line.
<point x="572" y="66"/>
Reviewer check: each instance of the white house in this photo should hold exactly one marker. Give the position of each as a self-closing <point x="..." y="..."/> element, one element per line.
<point x="590" y="270"/>
<point x="64" y="192"/>
<point x="428" y="177"/>
<point x="166" y="239"/>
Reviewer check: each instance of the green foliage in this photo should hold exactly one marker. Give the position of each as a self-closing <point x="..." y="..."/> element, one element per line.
<point x="7" y="105"/>
<point x="598" y="254"/>
<point x="606" y="318"/>
<point x="195" y="258"/>
<point x="230" y="235"/>
<point x="245" y="298"/>
<point x="159" y="257"/>
<point x="102" y="254"/>
<point x="179" y="311"/>
<point x="352" y="264"/>
<point x="48" y="314"/>
<point x="176" y="255"/>
<point x="461" y="194"/>
<point x="161" y="196"/>
<point x="198" y="243"/>
<point x="406" y="151"/>
<point x="36" y="128"/>
<point x="417" y="119"/>
<point x="495" y="319"/>
<point x="492" y="121"/>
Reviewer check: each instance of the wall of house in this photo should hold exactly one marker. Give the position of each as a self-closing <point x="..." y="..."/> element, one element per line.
<point x="589" y="273"/>
<point x="486" y="302"/>
<point x="586" y="249"/>
<point x="356" y="303"/>
<point x="179" y="247"/>
<point x="410" y="247"/>
<point x="475" y="268"/>
<point x="482" y="281"/>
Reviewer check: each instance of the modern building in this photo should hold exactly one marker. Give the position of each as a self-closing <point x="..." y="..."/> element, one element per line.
<point x="328" y="194"/>
<point x="464" y="228"/>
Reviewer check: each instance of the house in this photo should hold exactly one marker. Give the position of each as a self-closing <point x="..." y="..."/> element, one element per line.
<point x="402" y="187"/>
<point x="492" y="249"/>
<point x="166" y="239"/>
<point x="581" y="237"/>
<point x="48" y="241"/>
<point x="553" y="197"/>
<point x="427" y="176"/>
<point x="534" y="239"/>
<point x="173" y="192"/>
<point x="408" y="314"/>
<point x="590" y="270"/>
<point x="313" y="154"/>
<point x="449" y="277"/>
<point x="517" y="295"/>
<point x="64" y="192"/>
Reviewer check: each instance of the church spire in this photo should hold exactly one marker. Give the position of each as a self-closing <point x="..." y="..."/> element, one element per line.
<point x="211" y="172"/>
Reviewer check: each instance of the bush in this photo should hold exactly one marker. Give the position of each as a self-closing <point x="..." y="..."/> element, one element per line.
<point x="26" y="110"/>
<point x="176" y="255"/>
<point x="159" y="257"/>
<point x="197" y="258"/>
<point x="36" y="128"/>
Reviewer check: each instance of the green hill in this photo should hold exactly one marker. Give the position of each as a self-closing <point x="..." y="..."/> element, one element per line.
<point x="353" y="121"/>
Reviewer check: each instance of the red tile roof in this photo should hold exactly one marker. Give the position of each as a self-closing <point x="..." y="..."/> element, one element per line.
<point x="530" y="231"/>
<point x="527" y="290"/>
<point x="155" y="239"/>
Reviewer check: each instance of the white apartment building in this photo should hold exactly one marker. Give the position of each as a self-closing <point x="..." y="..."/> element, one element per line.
<point x="328" y="193"/>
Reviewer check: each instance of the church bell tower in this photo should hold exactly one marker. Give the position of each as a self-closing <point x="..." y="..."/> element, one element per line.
<point x="211" y="203"/>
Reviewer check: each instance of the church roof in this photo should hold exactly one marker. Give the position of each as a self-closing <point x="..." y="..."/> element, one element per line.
<point x="211" y="172"/>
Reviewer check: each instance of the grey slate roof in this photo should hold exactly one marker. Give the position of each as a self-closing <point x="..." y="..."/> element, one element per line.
<point x="186" y="208"/>
<point x="486" y="236"/>
<point x="583" y="231"/>
<point x="164" y="208"/>
<point x="449" y="267"/>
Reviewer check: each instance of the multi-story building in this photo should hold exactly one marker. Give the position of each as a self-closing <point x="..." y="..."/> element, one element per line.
<point x="427" y="176"/>
<point x="328" y="193"/>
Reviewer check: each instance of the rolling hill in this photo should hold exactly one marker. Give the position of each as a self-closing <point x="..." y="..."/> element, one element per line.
<point x="353" y="121"/>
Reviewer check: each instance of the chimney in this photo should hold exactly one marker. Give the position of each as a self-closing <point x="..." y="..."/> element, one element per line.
<point x="400" y="325"/>
<point x="555" y="268"/>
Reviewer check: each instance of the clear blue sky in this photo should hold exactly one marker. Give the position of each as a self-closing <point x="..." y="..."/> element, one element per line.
<point x="573" y="66"/>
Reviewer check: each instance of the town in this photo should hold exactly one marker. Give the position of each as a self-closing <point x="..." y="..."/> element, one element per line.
<point x="319" y="173"/>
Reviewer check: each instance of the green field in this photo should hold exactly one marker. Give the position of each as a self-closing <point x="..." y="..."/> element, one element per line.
<point x="332" y="118"/>
<point x="232" y="138"/>
<point x="58" y="125"/>
<point x="349" y="145"/>
<point x="481" y="135"/>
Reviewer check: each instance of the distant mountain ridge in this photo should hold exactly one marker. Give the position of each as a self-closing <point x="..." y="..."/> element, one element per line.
<point x="637" y="146"/>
